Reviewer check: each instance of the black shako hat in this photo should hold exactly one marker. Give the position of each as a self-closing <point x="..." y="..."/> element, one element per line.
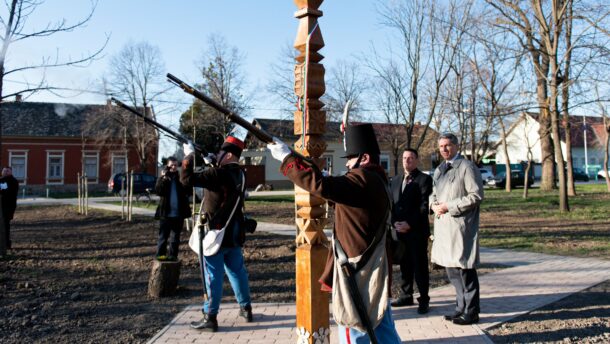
<point x="360" y="139"/>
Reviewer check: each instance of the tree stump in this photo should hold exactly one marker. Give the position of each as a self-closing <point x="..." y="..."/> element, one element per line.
<point x="164" y="278"/>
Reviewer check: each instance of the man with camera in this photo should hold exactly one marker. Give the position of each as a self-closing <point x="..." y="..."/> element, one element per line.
<point x="173" y="208"/>
<point x="224" y="185"/>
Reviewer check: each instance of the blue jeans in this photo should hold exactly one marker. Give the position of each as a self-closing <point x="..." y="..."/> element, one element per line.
<point x="231" y="260"/>
<point x="385" y="332"/>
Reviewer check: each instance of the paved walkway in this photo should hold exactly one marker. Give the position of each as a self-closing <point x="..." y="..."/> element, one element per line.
<point x="534" y="280"/>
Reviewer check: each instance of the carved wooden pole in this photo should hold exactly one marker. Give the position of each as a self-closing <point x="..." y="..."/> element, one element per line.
<point x="309" y="125"/>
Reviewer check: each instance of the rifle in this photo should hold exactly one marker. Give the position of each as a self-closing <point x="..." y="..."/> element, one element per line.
<point x="231" y="116"/>
<point x="174" y="135"/>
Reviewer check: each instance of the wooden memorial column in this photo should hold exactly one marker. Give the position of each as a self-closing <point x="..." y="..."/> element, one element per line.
<point x="309" y="125"/>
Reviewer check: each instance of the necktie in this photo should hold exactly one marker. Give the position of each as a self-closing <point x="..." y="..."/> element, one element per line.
<point x="408" y="179"/>
<point x="445" y="167"/>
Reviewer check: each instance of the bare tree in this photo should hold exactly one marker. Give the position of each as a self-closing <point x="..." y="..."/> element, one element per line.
<point x="496" y="69"/>
<point x="15" y="28"/>
<point x="223" y="81"/>
<point x="280" y="84"/>
<point x="409" y="82"/>
<point x="519" y="20"/>
<point x="538" y="28"/>
<point x="346" y="85"/>
<point x="136" y="76"/>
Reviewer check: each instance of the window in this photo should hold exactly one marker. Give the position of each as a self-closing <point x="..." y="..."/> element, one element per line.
<point x="384" y="161"/>
<point x="90" y="168"/>
<point x="18" y="162"/>
<point x="55" y="167"/>
<point x="118" y="164"/>
<point x="329" y="163"/>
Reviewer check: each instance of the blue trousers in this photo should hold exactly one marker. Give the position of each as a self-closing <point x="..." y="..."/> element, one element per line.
<point x="385" y="332"/>
<point x="231" y="260"/>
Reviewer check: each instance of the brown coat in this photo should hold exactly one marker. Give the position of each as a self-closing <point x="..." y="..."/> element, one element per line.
<point x="360" y="200"/>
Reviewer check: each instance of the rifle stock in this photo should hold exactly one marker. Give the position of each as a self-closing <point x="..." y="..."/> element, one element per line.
<point x="233" y="117"/>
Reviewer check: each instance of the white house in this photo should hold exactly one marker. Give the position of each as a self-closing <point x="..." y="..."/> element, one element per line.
<point x="524" y="133"/>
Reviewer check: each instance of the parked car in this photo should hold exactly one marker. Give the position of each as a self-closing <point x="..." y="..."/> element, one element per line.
<point x="486" y="174"/>
<point x="141" y="182"/>
<point x="580" y="175"/>
<point x="517" y="178"/>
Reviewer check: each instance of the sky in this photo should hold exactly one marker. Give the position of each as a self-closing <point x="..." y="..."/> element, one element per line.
<point x="180" y="29"/>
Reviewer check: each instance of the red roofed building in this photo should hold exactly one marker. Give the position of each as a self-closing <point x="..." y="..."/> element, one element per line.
<point x="47" y="146"/>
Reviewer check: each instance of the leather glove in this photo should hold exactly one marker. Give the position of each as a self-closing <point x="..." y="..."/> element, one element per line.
<point x="188" y="148"/>
<point x="279" y="150"/>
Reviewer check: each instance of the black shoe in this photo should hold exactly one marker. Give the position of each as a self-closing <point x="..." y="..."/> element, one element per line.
<point x="450" y="317"/>
<point x="466" y="319"/>
<point x="246" y="313"/>
<point x="208" y="323"/>
<point x="402" y="301"/>
<point x="423" y="308"/>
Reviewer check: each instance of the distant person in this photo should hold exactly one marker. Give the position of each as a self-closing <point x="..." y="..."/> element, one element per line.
<point x="173" y="208"/>
<point x="362" y="204"/>
<point x="9" y="188"/>
<point x="455" y="200"/>
<point x="410" y="192"/>
<point x="224" y="187"/>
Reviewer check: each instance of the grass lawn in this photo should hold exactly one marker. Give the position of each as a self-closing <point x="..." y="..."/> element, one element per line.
<point x="535" y="224"/>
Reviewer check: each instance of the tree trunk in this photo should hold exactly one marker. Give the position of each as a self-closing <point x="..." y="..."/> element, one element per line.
<point x="565" y="98"/>
<point x="607" y="145"/>
<point x="508" y="185"/>
<point x="563" y="194"/>
<point x="569" y="164"/>
<point x="547" y="180"/>
<point x="527" y="174"/>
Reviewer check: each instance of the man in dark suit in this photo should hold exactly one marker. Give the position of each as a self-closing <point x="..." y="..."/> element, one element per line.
<point x="410" y="193"/>
<point x="9" y="188"/>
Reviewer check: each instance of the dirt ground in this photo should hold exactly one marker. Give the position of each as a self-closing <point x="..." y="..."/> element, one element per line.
<point x="76" y="279"/>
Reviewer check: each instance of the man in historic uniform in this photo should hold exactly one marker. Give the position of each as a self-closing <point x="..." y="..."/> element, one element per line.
<point x="410" y="192"/>
<point x="455" y="200"/>
<point x="222" y="247"/>
<point x="362" y="203"/>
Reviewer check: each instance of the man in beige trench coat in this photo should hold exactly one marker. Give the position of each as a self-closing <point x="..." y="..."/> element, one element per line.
<point x="455" y="199"/>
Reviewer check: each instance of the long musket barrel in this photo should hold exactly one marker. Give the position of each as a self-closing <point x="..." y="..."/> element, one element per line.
<point x="233" y="117"/>
<point x="176" y="136"/>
